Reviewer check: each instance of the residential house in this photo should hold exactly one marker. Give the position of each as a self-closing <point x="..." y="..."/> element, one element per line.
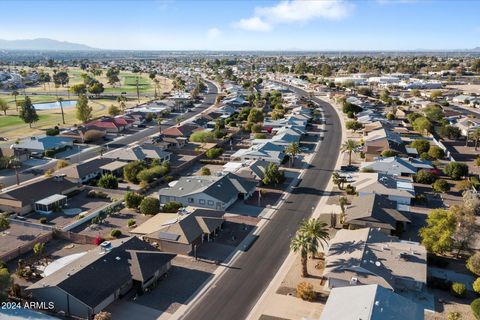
<point x="467" y="125"/>
<point x="188" y="232"/>
<point x="263" y="151"/>
<point x="184" y="130"/>
<point x="43" y="143"/>
<point x="379" y="140"/>
<point x="397" y="166"/>
<point x="397" y="189"/>
<point x="369" y="256"/>
<point x="376" y="211"/>
<point x="84" y="171"/>
<point x="22" y="199"/>
<point x="135" y="153"/>
<point x="111" y="124"/>
<point x="211" y="192"/>
<point x="83" y="134"/>
<point x="369" y="302"/>
<point x="90" y="283"/>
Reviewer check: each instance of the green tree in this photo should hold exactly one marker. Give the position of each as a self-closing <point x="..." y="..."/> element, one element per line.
<point x="441" y="186"/>
<point x="456" y="170"/>
<point x="108" y="181"/>
<point x="255" y="116"/>
<point x="350" y="146"/>
<point x="435" y="152"/>
<point x="84" y="111"/>
<point x="475" y="306"/>
<point x="133" y="199"/>
<point x="425" y="177"/>
<point x="96" y="88"/>
<point x="5" y="283"/>
<point x="39" y="248"/>
<point x="292" y="150"/>
<point x="79" y="89"/>
<point x="338" y="180"/>
<point x="150" y="205"/>
<point x="131" y="170"/>
<point x="114" y="111"/>
<point x="202" y="136"/>
<point x="205" y="171"/>
<point x="450" y="132"/>
<point x="413" y="116"/>
<point x="273" y="176"/>
<point x="473" y="263"/>
<point x="437" y="236"/>
<point x="4" y="106"/>
<point x="434" y="112"/>
<point x="310" y="236"/>
<point x="422" y="125"/>
<point x="4" y="223"/>
<point x="421" y="145"/>
<point x="353" y="125"/>
<point x="27" y="112"/>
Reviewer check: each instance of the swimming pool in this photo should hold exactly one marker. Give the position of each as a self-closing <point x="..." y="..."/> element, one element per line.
<point x="55" y="105"/>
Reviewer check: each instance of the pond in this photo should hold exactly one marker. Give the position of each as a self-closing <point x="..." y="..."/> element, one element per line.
<point x="55" y="105"/>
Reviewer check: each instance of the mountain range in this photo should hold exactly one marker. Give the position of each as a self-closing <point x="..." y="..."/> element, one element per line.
<point x="42" y="44"/>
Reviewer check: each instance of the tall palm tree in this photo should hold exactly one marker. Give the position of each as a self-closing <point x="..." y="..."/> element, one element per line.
<point x="311" y="235"/>
<point x="292" y="150"/>
<point x="15" y="93"/>
<point x="60" y="100"/>
<point x="475" y="136"/>
<point x="350" y="146"/>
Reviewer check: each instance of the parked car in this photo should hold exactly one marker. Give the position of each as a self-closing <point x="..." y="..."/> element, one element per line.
<point x="349" y="168"/>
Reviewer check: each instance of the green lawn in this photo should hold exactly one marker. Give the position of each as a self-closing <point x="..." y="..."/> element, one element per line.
<point x="10" y="121"/>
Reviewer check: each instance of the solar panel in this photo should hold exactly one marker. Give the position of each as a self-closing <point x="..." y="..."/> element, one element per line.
<point x="169" y="236"/>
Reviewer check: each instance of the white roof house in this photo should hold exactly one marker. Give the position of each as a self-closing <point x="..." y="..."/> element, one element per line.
<point x="264" y="151"/>
<point x="369" y="302"/>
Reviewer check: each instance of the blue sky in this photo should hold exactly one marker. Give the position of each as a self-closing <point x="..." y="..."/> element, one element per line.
<point x="248" y="25"/>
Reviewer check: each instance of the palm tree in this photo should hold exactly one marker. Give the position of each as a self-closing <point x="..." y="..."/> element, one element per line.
<point x="15" y="93"/>
<point x="292" y="150"/>
<point x="159" y="122"/>
<point x="475" y="135"/>
<point x="350" y="146"/>
<point x="60" y="100"/>
<point x="311" y="235"/>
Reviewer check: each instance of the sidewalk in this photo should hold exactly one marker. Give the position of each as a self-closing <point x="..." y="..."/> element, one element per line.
<point x="289" y="307"/>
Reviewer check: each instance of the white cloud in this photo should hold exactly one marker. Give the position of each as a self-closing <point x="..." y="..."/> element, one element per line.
<point x="294" y="11"/>
<point x="253" y="24"/>
<point x="213" y="33"/>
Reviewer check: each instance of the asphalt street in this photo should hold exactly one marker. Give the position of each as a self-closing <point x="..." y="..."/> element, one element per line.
<point x="9" y="178"/>
<point x="238" y="289"/>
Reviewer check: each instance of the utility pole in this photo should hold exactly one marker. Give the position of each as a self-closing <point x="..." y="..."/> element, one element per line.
<point x="138" y="92"/>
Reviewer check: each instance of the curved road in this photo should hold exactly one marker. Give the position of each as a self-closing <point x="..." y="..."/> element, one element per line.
<point x="27" y="174"/>
<point x="235" y="293"/>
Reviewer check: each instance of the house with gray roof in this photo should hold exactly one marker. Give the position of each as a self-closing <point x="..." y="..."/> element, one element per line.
<point x="40" y="144"/>
<point x="369" y="302"/>
<point x="369" y="256"/>
<point x="89" y="284"/>
<point x="211" y="192"/>
<point x="188" y="232"/>
<point x="85" y="171"/>
<point x="397" y="166"/>
<point x="144" y="152"/>
<point x="267" y="151"/>
<point x="22" y="199"/>
<point x="376" y="211"/>
<point x="400" y="190"/>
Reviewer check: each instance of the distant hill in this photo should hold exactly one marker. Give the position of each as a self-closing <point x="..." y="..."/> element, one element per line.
<point x="42" y="44"/>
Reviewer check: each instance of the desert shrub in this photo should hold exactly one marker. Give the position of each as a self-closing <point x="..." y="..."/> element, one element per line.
<point x="421" y="145"/>
<point x="202" y="136"/>
<point x="150" y="205"/>
<point x="454" y="315"/>
<point x="388" y="153"/>
<point x="43" y="220"/>
<point x="456" y="170"/>
<point x="441" y="186"/>
<point x="260" y="136"/>
<point x="475" y="306"/>
<point x="171" y="207"/>
<point x="350" y="190"/>
<point x="168" y="179"/>
<point x="214" y="153"/>
<point x="131" y="222"/>
<point x="108" y="181"/>
<point x="205" y="171"/>
<point x="116" y="233"/>
<point x="424" y="177"/>
<point x="458" y="289"/>
<point x="133" y="199"/>
<point x="435" y="152"/>
<point x="473" y="264"/>
<point x="305" y="291"/>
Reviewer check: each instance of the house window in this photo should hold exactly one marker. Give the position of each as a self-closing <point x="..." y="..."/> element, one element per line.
<point x="190" y="200"/>
<point x="210" y="202"/>
<point x="201" y="201"/>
